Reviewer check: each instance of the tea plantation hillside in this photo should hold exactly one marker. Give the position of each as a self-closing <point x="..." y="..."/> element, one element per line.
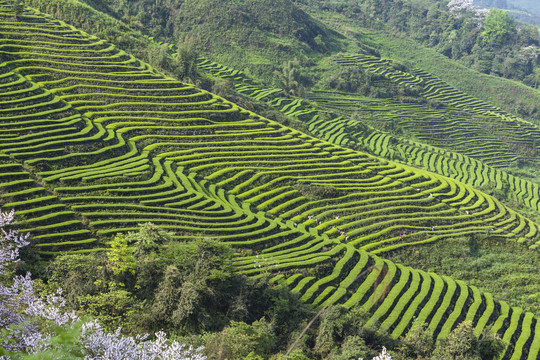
<point x="96" y="142"/>
<point x="259" y="33"/>
<point x="478" y="143"/>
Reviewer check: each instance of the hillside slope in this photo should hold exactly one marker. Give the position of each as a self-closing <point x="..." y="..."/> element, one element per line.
<point x="261" y="32"/>
<point x="354" y="121"/>
<point x="481" y="86"/>
<point x="120" y="144"/>
<point x="429" y="36"/>
<point x="527" y="11"/>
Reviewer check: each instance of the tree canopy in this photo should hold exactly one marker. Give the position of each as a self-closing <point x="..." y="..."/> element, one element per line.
<point x="498" y="26"/>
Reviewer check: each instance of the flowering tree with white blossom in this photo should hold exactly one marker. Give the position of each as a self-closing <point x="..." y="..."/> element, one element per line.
<point x="29" y="324"/>
<point x="458" y="6"/>
<point x="10" y="241"/>
<point x="382" y="356"/>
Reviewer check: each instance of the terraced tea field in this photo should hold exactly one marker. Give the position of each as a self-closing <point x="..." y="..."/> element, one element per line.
<point x="492" y="136"/>
<point x="473" y="136"/>
<point x="345" y="120"/>
<point x="96" y="142"/>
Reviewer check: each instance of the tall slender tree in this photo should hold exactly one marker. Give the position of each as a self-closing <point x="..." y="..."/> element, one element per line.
<point x="288" y="77"/>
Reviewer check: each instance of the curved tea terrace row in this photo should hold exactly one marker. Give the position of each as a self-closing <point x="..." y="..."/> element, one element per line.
<point x="41" y="212"/>
<point x="346" y="131"/>
<point x="508" y="129"/>
<point x="446" y="128"/>
<point x="453" y="164"/>
<point x="121" y="144"/>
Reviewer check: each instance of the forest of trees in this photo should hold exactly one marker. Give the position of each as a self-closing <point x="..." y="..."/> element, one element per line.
<point x="490" y="42"/>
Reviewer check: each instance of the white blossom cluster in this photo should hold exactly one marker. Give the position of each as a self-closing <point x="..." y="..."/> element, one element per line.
<point x="100" y="345"/>
<point x="458" y="6"/>
<point x="382" y="356"/>
<point x="24" y="316"/>
<point x="29" y="322"/>
<point x="10" y="241"/>
<point x="529" y="53"/>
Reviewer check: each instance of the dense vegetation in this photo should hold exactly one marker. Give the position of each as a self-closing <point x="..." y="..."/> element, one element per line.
<point x="237" y="232"/>
<point x="492" y="43"/>
<point x="260" y="33"/>
<point x="527" y="11"/>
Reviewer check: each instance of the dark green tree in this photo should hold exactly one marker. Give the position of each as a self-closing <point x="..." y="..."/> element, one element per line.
<point x="337" y="324"/>
<point x="288" y="77"/>
<point x="187" y="57"/>
<point x="353" y="347"/>
<point x="166" y="296"/>
<point x="76" y="274"/>
<point x="490" y="345"/>
<point x="195" y="289"/>
<point x="463" y="344"/>
<point x="145" y="245"/>
<point x="18" y="8"/>
<point x="537" y="77"/>
<point x="418" y="342"/>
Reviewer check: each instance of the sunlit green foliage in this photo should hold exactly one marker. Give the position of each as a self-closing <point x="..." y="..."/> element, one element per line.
<point x="498" y="26"/>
